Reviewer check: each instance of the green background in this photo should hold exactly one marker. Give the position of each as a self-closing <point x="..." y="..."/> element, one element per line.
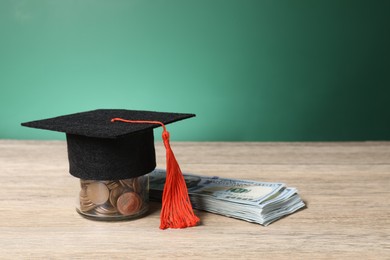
<point x="251" y="70"/>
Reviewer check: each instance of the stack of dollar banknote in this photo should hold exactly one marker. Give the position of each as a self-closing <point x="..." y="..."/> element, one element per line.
<point x="253" y="201"/>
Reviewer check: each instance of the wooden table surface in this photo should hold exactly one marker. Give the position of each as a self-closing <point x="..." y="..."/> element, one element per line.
<point x="346" y="187"/>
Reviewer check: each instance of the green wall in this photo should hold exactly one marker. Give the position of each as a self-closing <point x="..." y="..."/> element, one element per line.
<point x="251" y="70"/>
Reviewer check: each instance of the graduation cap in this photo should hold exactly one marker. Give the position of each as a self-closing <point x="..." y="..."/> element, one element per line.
<point x="115" y="144"/>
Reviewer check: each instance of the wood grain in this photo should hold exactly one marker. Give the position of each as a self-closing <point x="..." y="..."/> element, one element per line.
<point x="346" y="187"/>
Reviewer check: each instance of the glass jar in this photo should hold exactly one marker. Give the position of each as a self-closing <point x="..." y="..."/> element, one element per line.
<point x="114" y="200"/>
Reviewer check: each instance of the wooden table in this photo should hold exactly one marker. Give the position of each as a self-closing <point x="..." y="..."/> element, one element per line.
<point x="346" y="187"/>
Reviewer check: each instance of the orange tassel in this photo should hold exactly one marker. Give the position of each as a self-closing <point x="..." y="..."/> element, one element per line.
<point x="176" y="210"/>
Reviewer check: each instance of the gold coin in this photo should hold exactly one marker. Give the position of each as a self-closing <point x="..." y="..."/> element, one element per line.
<point x="127" y="183"/>
<point x="115" y="193"/>
<point x="112" y="185"/>
<point x="85" y="203"/>
<point x="85" y="207"/>
<point x="129" y="203"/>
<point x="97" y="192"/>
<point x="105" y="209"/>
<point x="84" y="183"/>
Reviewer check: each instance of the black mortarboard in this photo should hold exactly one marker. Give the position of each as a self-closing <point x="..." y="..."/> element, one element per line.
<point x="99" y="149"/>
<point x="116" y="144"/>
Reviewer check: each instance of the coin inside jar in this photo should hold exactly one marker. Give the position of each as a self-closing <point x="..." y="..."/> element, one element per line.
<point x="115" y="193"/>
<point x="129" y="203"/>
<point x="98" y="193"/>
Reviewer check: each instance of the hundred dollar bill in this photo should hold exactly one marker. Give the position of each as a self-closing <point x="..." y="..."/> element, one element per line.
<point x="253" y="201"/>
<point x="250" y="192"/>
